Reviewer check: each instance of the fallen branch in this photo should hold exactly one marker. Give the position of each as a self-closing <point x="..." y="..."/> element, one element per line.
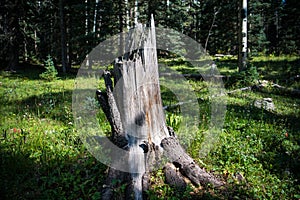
<point x="193" y="76"/>
<point x="240" y="89"/>
<point x="265" y="85"/>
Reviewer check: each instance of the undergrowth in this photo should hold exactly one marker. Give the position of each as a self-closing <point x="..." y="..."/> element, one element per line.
<point x="42" y="156"/>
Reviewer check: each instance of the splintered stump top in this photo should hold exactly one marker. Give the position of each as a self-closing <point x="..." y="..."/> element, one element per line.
<point x="133" y="106"/>
<point x="137" y="90"/>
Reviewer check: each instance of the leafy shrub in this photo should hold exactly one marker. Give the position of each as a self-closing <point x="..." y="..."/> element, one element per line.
<point x="248" y="77"/>
<point x="51" y="73"/>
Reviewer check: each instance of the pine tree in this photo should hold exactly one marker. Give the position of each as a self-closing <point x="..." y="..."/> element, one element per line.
<point x="12" y="13"/>
<point x="289" y="27"/>
<point x="258" y="42"/>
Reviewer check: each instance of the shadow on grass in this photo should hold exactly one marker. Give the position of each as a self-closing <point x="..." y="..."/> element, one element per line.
<point x="32" y="72"/>
<point x="52" y="105"/>
<point x="22" y="177"/>
<point x="281" y="70"/>
<point x="16" y="173"/>
<point x="180" y="66"/>
<point x="280" y="153"/>
<point x="278" y="70"/>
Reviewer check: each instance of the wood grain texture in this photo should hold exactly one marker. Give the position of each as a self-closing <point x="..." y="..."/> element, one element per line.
<point x="133" y="106"/>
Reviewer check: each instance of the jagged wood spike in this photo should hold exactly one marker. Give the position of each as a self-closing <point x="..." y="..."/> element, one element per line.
<point x="136" y="114"/>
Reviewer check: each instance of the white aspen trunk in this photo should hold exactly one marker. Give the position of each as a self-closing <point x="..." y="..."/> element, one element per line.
<point x="95" y="16"/>
<point x="35" y="42"/>
<point x="86" y="18"/>
<point x="245" y="35"/>
<point x="25" y="44"/>
<point x="136" y="11"/>
<point x="127" y="15"/>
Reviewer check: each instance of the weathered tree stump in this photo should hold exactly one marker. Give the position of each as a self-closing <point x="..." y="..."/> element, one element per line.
<point x="133" y="107"/>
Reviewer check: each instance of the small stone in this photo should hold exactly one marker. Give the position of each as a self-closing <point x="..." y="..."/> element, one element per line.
<point x="265" y="103"/>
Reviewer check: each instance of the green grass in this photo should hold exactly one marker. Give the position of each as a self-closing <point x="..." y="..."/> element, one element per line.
<point x="260" y="145"/>
<point x="278" y="69"/>
<point x="42" y="156"/>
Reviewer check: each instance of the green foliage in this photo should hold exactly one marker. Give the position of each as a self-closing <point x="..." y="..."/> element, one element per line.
<point x="257" y="152"/>
<point x="173" y="120"/>
<point x="272" y="27"/>
<point x="51" y="73"/>
<point x="248" y="77"/>
<point x="42" y="156"/>
<point x="260" y="146"/>
<point x="251" y="76"/>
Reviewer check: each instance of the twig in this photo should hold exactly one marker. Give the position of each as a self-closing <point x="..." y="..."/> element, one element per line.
<point x="211" y="27"/>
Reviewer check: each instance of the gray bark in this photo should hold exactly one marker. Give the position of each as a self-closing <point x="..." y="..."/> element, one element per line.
<point x="186" y="165"/>
<point x="133" y="107"/>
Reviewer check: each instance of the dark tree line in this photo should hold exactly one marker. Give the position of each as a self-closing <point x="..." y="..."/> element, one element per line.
<point x="67" y="30"/>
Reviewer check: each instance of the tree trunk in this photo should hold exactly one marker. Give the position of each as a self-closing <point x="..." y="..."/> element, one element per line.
<point x="216" y="11"/>
<point x="63" y="36"/>
<point x="136" y="12"/>
<point x="133" y="106"/>
<point x="12" y="30"/>
<point x="243" y="35"/>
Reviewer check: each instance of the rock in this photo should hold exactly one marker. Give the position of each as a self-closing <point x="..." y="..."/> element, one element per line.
<point x="265" y="103"/>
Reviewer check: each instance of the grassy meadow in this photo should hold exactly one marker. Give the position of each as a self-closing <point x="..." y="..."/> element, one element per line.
<point x="257" y="152"/>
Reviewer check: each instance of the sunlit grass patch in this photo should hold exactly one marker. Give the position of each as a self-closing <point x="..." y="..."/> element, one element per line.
<point x="42" y="156"/>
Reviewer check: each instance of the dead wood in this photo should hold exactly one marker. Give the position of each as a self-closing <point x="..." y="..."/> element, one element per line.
<point x="174" y="177"/>
<point x="133" y="107"/>
<point x="194" y="76"/>
<point x="186" y="165"/>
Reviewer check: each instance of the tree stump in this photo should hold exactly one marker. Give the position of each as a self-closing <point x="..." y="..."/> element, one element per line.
<point x="133" y="106"/>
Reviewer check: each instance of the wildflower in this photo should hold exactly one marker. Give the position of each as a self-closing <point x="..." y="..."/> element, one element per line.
<point x="16" y="130"/>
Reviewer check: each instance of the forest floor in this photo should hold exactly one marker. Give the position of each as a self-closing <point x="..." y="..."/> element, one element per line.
<point x="257" y="152"/>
